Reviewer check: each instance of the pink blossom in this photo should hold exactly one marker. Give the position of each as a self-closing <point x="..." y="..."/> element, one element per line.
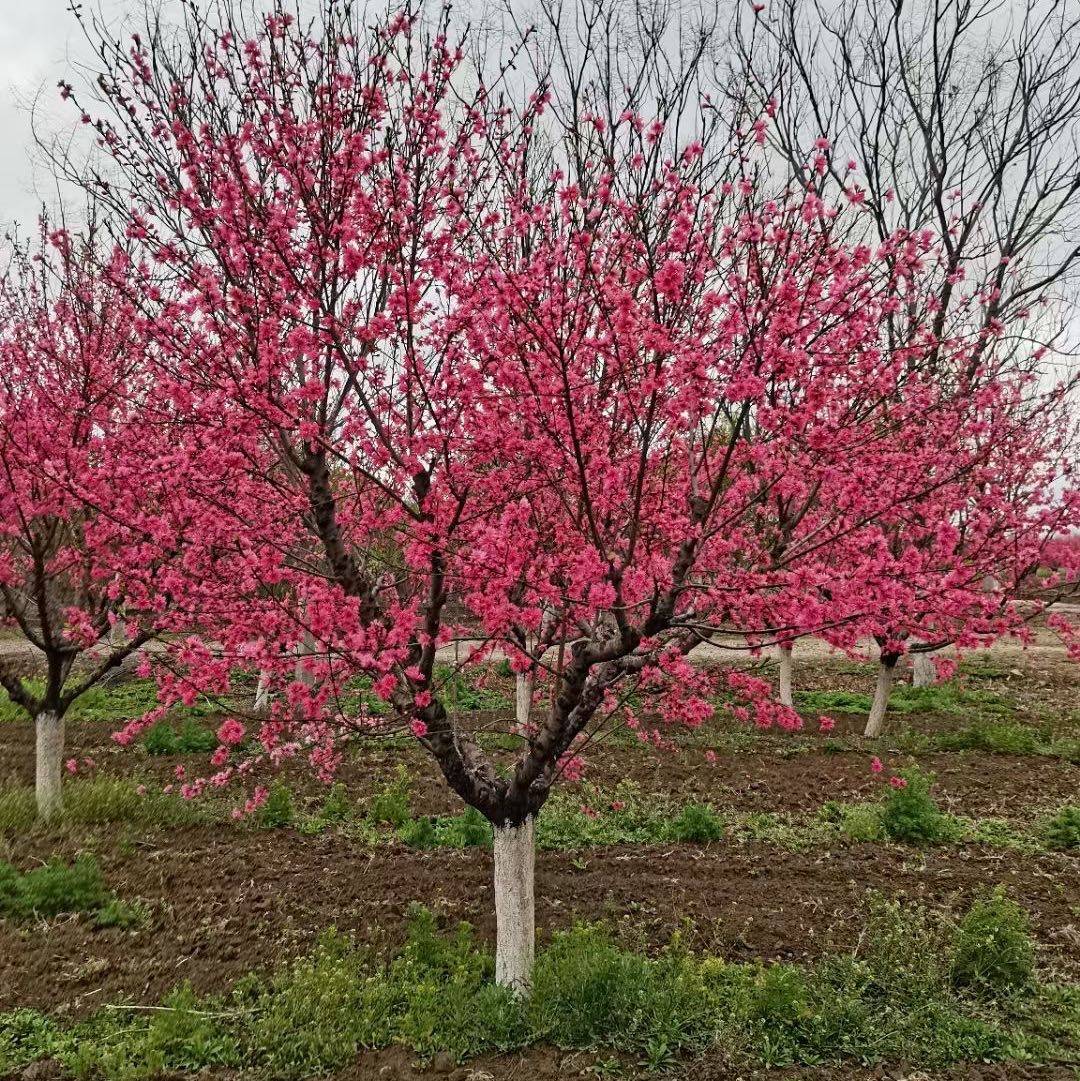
<point x="230" y="732"/>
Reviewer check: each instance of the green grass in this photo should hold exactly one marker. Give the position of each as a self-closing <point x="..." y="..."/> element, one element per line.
<point x="993" y="737"/>
<point x="189" y="737"/>
<point x="118" y="702"/>
<point x="1062" y="830"/>
<point x="56" y="888"/>
<point x="571" y="820"/>
<point x="461" y="690"/>
<point x="590" y="816"/>
<point x="895" y="998"/>
<point x="951" y="697"/>
<point x="104" y="800"/>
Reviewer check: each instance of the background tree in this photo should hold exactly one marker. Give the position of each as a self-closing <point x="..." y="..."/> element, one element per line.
<point x="947" y="116"/>
<point x="71" y="369"/>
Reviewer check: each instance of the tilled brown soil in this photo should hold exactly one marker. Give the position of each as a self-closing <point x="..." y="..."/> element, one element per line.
<point x="226" y="901"/>
<point x="772" y="779"/>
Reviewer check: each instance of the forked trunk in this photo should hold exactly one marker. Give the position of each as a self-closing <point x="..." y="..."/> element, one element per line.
<point x="515" y="906"/>
<point x="786" y="698"/>
<point x="923" y="671"/>
<point x="876" y="721"/>
<point x="50" y="763"/>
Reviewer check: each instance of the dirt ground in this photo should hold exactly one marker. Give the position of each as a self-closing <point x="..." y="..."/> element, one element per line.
<point x="224" y="900"/>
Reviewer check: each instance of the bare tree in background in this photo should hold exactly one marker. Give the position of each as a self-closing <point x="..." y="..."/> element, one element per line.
<point x="957" y="116"/>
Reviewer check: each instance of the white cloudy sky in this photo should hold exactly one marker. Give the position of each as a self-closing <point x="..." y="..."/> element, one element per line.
<point x="39" y="43"/>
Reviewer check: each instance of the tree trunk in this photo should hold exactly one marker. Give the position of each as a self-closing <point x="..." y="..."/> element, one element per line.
<point x="523" y="691"/>
<point x="50" y="763"/>
<point x="786" y="698"/>
<point x="876" y="721"/>
<point x="262" y="694"/>
<point x="303" y="651"/>
<point x="515" y="907"/>
<point x="923" y="672"/>
<point x="116" y="640"/>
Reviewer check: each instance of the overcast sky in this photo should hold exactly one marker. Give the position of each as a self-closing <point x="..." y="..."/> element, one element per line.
<point x="39" y="43"/>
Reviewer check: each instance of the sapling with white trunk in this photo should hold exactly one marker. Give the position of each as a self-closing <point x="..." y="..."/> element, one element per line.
<point x="261" y="703"/>
<point x="61" y="688"/>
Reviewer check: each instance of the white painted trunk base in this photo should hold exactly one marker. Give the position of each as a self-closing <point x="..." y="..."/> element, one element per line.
<point x="923" y="671"/>
<point x="303" y="651"/>
<point x="786" y="698"/>
<point x="523" y="692"/>
<point x="262" y="694"/>
<point x="515" y="906"/>
<point x="50" y="763"/>
<point x="876" y="721"/>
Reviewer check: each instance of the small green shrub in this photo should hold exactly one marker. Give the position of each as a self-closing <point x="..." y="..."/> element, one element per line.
<point x="697" y="824"/>
<point x="910" y="814"/>
<point x="588" y="992"/>
<point x="278" y="811"/>
<point x="467" y="830"/>
<point x="190" y="738"/>
<point x="118" y="913"/>
<point x="419" y="833"/>
<point x="57" y="888"/>
<point x="993" y="953"/>
<point x="859" y="821"/>
<point x="1063" y="830"/>
<point x="183" y="1036"/>
<point x="161" y="739"/>
<point x="337" y="807"/>
<point x="392" y="805"/>
<point x="318" y="1013"/>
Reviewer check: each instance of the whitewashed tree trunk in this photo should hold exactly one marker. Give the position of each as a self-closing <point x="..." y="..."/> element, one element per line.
<point x="523" y="692"/>
<point x="786" y="697"/>
<point x="515" y="905"/>
<point x="262" y="693"/>
<point x="876" y="721"/>
<point x="923" y="671"/>
<point x="49" y="762"/>
<point x="116" y="639"/>
<point x="304" y="650"/>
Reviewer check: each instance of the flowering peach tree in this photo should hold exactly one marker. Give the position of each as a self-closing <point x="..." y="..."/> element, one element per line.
<point x="80" y="557"/>
<point x="444" y="364"/>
